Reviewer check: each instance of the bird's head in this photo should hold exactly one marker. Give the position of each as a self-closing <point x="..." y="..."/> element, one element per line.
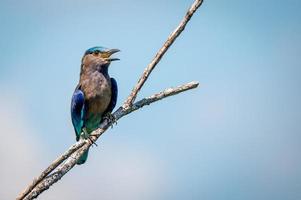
<point x="98" y="57"/>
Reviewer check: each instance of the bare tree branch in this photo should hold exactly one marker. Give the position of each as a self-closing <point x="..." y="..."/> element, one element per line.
<point x="172" y="37"/>
<point x="50" y="168"/>
<point x="67" y="161"/>
<point x="85" y="144"/>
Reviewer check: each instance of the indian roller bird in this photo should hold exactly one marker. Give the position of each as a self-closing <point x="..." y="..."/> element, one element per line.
<point x="95" y="95"/>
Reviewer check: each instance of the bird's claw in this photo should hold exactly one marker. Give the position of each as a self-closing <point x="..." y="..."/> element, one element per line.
<point x="90" y="139"/>
<point x="86" y="135"/>
<point x="111" y="118"/>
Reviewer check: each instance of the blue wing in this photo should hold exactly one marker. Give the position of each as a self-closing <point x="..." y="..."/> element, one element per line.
<point x="78" y="111"/>
<point x="114" y="91"/>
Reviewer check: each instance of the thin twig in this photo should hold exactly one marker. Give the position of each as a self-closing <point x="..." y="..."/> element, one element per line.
<point x="71" y="161"/>
<point x="172" y="37"/>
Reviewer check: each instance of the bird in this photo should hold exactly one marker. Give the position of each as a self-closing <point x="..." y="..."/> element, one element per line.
<point x="95" y="96"/>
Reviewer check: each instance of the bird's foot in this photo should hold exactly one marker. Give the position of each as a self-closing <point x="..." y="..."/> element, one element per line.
<point x="93" y="143"/>
<point x="86" y="136"/>
<point x="111" y="118"/>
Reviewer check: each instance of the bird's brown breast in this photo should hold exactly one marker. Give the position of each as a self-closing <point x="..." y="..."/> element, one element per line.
<point x="97" y="91"/>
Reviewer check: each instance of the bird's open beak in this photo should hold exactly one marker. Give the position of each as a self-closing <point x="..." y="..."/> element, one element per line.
<point x="111" y="52"/>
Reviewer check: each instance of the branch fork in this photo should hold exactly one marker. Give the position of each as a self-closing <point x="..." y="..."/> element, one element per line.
<point x="59" y="167"/>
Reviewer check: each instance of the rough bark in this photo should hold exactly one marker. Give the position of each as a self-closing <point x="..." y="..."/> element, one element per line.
<point x="67" y="161"/>
<point x="61" y="170"/>
<point x="171" y="38"/>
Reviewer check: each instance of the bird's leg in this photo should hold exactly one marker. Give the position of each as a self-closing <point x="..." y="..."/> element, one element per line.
<point x="111" y="118"/>
<point x="86" y="135"/>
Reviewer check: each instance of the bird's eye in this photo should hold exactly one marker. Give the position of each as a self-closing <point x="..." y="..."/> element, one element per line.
<point x="96" y="53"/>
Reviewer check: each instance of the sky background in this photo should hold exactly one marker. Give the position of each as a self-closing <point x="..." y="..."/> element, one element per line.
<point x="237" y="136"/>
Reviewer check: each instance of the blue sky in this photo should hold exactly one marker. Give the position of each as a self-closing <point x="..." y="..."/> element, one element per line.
<point x="235" y="137"/>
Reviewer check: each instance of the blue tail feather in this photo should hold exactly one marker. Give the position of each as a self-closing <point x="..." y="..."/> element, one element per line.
<point x="83" y="158"/>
